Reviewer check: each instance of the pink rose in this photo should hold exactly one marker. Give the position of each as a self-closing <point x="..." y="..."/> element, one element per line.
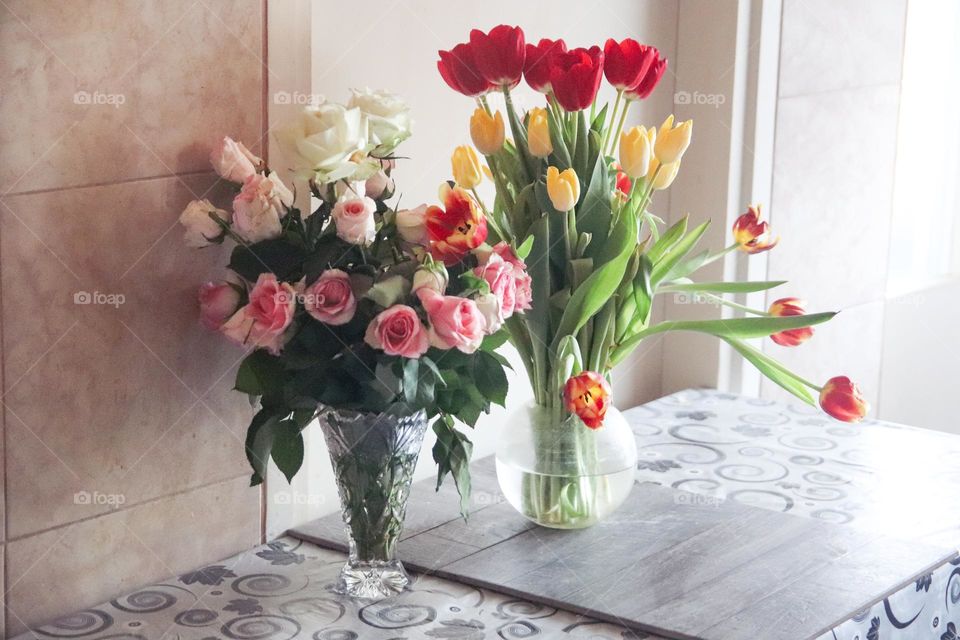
<point x="454" y="322"/>
<point x="524" y="289"/>
<point x="330" y="299"/>
<point x="259" y="206"/>
<point x="412" y="225"/>
<point x="233" y="161"/>
<point x="398" y="332"/>
<point x="217" y="303"/>
<point x="263" y="321"/>
<point x="499" y="274"/>
<point x="354" y="219"/>
<point x="378" y="184"/>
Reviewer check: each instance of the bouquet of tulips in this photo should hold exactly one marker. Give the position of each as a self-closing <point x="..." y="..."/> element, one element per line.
<point x="343" y="306"/>
<point x="573" y="191"/>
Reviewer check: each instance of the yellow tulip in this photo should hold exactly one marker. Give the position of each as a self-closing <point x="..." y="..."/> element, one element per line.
<point x="538" y="133"/>
<point x="467" y="172"/>
<point x="487" y="131"/>
<point x="635" y="152"/>
<point x="563" y="188"/>
<point x="672" y="140"/>
<point x="665" y="178"/>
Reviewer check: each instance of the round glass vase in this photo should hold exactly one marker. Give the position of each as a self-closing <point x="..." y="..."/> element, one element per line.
<point x="561" y="474"/>
<point x="373" y="457"/>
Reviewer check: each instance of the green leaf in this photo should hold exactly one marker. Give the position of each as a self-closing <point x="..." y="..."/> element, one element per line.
<point x="389" y="291"/>
<point x="287" y="449"/>
<point x="594" y="213"/>
<point x="597" y="124"/>
<point x="261" y="374"/>
<point x="259" y="441"/>
<point x="773" y="370"/>
<point x="430" y="364"/>
<point x="495" y="341"/>
<point x="278" y="256"/>
<point x="668" y="239"/>
<point x="594" y="292"/>
<point x="490" y="378"/>
<point x="524" y="249"/>
<point x="662" y="267"/>
<point x="411" y="375"/>
<point x="452" y="453"/>
<point x="724" y="287"/>
<point x="642" y="289"/>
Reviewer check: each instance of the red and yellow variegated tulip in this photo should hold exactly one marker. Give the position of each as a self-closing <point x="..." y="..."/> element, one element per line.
<point x="751" y="234"/>
<point x="783" y="308"/>
<point x="842" y="399"/>
<point x="457" y="228"/>
<point x="587" y="395"/>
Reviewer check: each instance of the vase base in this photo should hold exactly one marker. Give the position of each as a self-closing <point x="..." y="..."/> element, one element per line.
<point x="372" y="580"/>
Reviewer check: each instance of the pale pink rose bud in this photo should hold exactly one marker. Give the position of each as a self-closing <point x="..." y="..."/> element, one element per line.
<point x="233" y="161"/>
<point x="330" y="299"/>
<point x="200" y="230"/>
<point x="263" y="322"/>
<point x="433" y="276"/>
<point x="353" y="217"/>
<point x="492" y="312"/>
<point x="378" y="184"/>
<point x="218" y="301"/>
<point x="455" y="323"/>
<point x="398" y="331"/>
<point x="259" y="207"/>
<point x="412" y="225"/>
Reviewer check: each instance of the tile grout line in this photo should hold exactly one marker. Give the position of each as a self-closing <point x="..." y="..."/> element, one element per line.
<point x="4" y="574"/>
<point x="127" y="507"/>
<point x="109" y="183"/>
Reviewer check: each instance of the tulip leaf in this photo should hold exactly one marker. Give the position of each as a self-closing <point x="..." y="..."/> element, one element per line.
<point x="594" y="292"/>
<point x="524" y="249"/>
<point x="594" y="213"/>
<point x="668" y="239"/>
<point x="724" y="287"/>
<point x="773" y="370"/>
<point x="677" y="253"/>
<point x="538" y="317"/>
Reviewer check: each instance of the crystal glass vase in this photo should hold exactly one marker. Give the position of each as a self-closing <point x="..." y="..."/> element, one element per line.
<point x="561" y="474"/>
<point x="373" y="457"/>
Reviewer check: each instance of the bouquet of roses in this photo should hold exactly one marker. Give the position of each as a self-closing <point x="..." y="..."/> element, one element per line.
<point x="573" y="191"/>
<point x="345" y="306"/>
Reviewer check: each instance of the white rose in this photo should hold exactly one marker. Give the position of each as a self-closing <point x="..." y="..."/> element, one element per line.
<point x="432" y="277"/>
<point x="489" y="307"/>
<point x="201" y="229"/>
<point x="412" y="225"/>
<point x="354" y="219"/>
<point x="388" y="117"/>
<point x="233" y="161"/>
<point x="259" y="206"/>
<point x="325" y="142"/>
<point x="378" y="185"/>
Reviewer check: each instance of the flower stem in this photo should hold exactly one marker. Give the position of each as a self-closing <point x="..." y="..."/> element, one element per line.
<point x="613" y="118"/>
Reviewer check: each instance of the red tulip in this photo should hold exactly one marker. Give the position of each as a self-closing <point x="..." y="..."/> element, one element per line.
<point x="459" y="70"/>
<point x="624" y="185"/>
<point x="649" y="80"/>
<point x="783" y="308"/>
<point x="536" y="67"/>
<point x="842" y="399"/>
<point x="499" y="54"/>
<point x="587" y="395"/>
<point x="751" y="234"/>
<point x="457" y="228"/>
<point x="626" y="63"/>
<point x="575" y="77"/>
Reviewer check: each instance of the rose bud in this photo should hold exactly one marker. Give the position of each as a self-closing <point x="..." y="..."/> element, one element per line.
<point x="412" y="225"/>
<point x="842" y="399"/>
<point x="432" y="275"/>
<point x="751" y="234"/>
<point x="398" y="331"/>
<point x="217" y="303"/>
<point x="378" y="185"/>
<point x="354" y="220"/>
<point x="648" y="82"/>
<point x="538" y="133"/>
<point x="487" y="131"/>
<point x="233" y="161"/>
<point x="672" y="140"/>
<point x="331" y="299"/>
<point x="200" y="230"/>
<point x="258" y="208"/>
<point x="263" y="322"/>
<point x="785" y="307"/>
<point x="536" y="66"/>
<point x="563" y="187"/>
<point x="459" y="70"/>
<point x="626" y="63"/>
<point x="499" y="54"/>
<point x="575" y="77"/>
<point x="635" y="152"/>
<point x="587" y="395"/>
<point x="456" y="229"/>
<point x="467" y="172"/>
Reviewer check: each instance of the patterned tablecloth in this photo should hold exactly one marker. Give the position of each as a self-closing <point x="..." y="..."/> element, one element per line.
<point x="716" y="446"/>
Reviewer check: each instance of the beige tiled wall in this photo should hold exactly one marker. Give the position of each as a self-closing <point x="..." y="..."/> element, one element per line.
<point x="833" y="171"/>
<point x="123" y="446"/>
